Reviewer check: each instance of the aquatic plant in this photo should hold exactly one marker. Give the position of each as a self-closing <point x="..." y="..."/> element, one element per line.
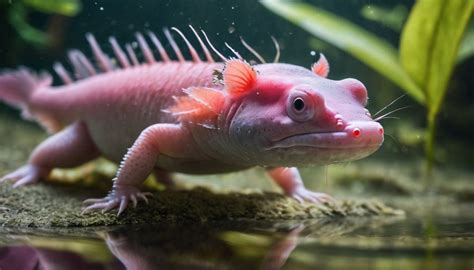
<point x="428" y="51"/>
<point x="391" y="18"/>
<point x="18" y="11"/>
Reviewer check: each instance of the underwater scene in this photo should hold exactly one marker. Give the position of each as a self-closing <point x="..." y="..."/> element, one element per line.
<point x="272" y="134"/>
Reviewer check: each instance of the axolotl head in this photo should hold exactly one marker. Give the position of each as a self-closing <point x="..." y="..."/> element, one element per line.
<point x="286" y="115"/>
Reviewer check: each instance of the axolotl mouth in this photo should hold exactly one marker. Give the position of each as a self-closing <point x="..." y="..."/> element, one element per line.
<point x="357" y="140"/>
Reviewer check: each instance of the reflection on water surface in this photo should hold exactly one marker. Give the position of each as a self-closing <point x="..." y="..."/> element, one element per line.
<point x="350" y="243"/>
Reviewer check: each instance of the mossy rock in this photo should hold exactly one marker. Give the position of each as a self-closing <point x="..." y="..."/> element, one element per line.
<point x="53" y="205"/>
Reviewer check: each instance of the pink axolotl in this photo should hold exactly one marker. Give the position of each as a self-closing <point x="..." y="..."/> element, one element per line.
<point x="196" y="117"/>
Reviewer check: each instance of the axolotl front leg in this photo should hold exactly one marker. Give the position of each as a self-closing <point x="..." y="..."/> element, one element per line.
<point x="289" y="179"/>
<point x="140" y="161"/>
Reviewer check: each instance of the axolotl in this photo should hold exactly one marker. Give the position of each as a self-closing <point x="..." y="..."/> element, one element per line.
<point x="194" y="117"/>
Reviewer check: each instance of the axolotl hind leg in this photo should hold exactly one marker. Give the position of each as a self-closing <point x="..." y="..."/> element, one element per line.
<point x="68" y="148"/>
<point x="164" y="177"/>
<point x="139" y="162"/>
<point x="290" y="181"/>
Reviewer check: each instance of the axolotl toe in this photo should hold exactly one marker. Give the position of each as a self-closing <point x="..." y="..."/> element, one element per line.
<point x="197" y="117"/>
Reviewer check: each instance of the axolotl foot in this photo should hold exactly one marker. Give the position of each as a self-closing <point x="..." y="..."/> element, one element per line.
<point x="302" y="194"/>
<point x="290" y="181"/>
<point x="120" y="197"/>
<point x="28" y="174"/>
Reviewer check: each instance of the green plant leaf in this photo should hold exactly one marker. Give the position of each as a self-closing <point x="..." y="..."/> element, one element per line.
<point x="365" y="46"/>
<point x="64" y="7"/>
<point x="429" y="45"/>
<point x="467" y="44"/>
<point x="392" y="18"/>
<point x="17" y="17"/>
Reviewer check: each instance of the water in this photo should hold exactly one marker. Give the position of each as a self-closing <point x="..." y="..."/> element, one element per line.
<point x="400" y="243"/>
<point x="437" y="231"/>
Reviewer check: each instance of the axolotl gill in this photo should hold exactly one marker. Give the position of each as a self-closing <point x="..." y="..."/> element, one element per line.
<point x="196" y="117"/>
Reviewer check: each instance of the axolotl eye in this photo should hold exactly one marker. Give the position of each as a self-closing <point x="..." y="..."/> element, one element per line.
<point x="300" y="106"/>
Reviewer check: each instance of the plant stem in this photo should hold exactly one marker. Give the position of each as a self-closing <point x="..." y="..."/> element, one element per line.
<point x="429" y="147"/>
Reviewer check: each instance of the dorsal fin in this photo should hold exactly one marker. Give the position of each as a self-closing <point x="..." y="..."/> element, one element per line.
<point x="191" y="49"/>
<point x="212" y="47"/>
<point x="173" y="44"/>
<point x="233" y="51"/>
<point x="79" y="71"/>
<point x="126" y="58"/>
<point x="239" y="77"/>
<point x="156" y="41"/>
<point x="203" y="46"/>
<point x="62" y="73"/>
<point x="131" y="54"/>
<point x="150" y="59"/>
<point x="83" y="68"/>
<point x="321" y="67"/>
<point x="101" y="57"/>
<point x="119" y="53"/>
<point x="200" y="105"/>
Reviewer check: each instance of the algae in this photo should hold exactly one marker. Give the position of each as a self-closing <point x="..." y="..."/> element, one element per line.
<point x="52" y="205"/>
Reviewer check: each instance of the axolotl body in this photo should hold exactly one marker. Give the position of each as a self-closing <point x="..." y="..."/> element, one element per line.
<point x="196" y="117"/>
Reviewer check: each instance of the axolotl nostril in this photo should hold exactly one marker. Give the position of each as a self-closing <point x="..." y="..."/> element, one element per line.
<point x="197" y="117"/>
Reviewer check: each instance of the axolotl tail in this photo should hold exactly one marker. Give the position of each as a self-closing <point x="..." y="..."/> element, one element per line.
<point x="17" y="89"/>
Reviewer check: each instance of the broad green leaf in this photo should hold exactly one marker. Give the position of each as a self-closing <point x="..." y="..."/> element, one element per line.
<point x="466" y="49"/>
<point x="365" y="46"/>
<point x="63" y="7"/>
<point x="430" y="42"/>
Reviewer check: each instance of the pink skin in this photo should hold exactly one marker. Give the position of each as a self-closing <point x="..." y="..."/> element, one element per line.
<point x="55" y="152"/>
<point x="107" y="113"/>
<point x="282" y="249"/>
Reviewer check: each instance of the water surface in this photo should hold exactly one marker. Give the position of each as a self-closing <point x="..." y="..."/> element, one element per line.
<point x="412" y="242"/>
